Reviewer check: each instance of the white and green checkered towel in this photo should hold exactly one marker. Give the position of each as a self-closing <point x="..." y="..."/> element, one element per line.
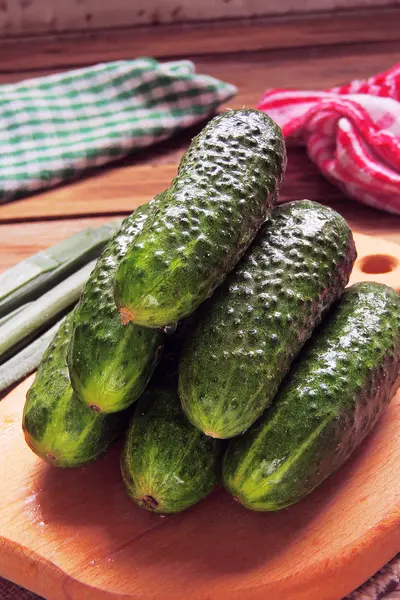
<point x="54" y="128"/>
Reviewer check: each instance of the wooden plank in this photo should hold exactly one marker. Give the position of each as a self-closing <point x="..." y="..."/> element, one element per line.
<point x="111" y="191"/>
<point x="34" y="17"/>
<point x="202" y="39"/>
<point x="306" y="68"/>
<point x="17" y="76"/>
<point x="252" y="72"/>
<point x="136" y="179"/>
<point x="120" y="190"/>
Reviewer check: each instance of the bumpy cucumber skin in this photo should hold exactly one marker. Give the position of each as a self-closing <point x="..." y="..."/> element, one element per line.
<point x="331" y="400"/>
<point x="226" y="185"/>
<point x="167" y="464"/>
<point x="110" y="363"/>
<point x="256" y="323"/>
<point x="57" y="426"/>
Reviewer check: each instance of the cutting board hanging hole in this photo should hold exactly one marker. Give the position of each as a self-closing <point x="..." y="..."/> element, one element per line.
<point x="378" y="263"/>
<point x="377" y="260"/>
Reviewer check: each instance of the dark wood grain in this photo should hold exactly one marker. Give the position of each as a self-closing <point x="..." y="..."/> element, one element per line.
<point x="346" y="26"/>
<point x="251" y="71"/>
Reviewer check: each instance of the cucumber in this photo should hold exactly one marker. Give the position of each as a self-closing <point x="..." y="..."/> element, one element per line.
<point x="110" y="363"/>
<point x="332" y="398"/>
<point x="167" y="464"/>
<point x="57" y="426"/>
<point x="259" y="319"/>
<point x="227" y="183"/>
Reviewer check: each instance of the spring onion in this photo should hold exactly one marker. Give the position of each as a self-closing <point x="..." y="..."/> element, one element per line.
<point x="40" y="272"/>
<point x="27" y="360"/>
<point x="39" y="313"/>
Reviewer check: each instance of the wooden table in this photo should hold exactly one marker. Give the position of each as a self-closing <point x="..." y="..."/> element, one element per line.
<point x="26" y="226"/>
<point x="263" y="60"/>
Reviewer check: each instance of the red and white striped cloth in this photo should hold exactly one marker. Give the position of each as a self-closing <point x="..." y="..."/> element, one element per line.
<point x="352" y="133"/>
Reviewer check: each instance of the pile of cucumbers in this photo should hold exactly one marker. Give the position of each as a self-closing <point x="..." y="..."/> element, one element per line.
<point x="229" y="320"/>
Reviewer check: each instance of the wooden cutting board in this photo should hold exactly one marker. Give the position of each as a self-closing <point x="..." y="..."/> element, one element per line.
<point x="75" y="535"/>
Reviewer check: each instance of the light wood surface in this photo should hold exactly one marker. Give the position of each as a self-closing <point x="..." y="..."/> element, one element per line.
<point x="75" y="535"/>
<point x="377" y="260"/>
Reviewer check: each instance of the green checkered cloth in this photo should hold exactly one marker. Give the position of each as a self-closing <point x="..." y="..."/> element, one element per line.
<point x="54" y="128"/>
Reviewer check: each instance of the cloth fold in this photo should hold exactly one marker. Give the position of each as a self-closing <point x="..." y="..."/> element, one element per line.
<point x="54" y="128"/>
<point x="352" y="132"/>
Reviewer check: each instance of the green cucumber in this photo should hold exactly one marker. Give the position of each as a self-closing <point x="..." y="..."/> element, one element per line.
<point x="258" y="320"/>
<point x="226" y="185"/>
<point x="167" y="464"/>
<point x="111" y="363"/>
<point x="330" y="401"/>
<point x="57" y="426"/>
